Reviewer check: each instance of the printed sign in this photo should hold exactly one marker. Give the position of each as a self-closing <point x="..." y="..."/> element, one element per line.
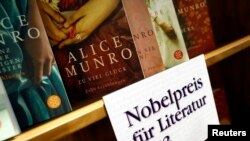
<point x="174" y="105"/>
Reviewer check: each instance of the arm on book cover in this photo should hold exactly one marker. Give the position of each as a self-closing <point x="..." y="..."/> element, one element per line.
<point x="38" y="48"/>
<point x="86" y="19"/>
<point x="52" y="19"/>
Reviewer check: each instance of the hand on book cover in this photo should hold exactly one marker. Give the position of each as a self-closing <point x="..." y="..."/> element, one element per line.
<point x="85" y="19"/>
<point x="54" y="21"/>
<point x="166" y="27"/>
<point x="28" y="60"/>
<point x="38" y="50"/>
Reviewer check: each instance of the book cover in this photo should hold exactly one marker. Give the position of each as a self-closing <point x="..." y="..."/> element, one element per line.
<point x="8" y="123"/>
<point x="222" y="106"/>
<point x="96" y="54"/>
<point x="168" y="33"/>
<point x="27" y="66"/>
<point x="144" y="37"/>
<point x="195" y="25"/>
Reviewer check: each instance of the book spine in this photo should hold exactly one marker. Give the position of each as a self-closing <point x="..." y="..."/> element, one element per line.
<point x="143" y="34"/>
<point x="168" y="32"/>
<point x="195" y="25"/>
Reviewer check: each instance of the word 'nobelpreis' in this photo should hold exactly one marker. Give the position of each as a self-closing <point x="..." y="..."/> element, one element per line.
<point x="171" y="97"/>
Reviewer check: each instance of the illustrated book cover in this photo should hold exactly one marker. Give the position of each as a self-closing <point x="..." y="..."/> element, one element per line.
<point x="93" y="46"/>
<point x="144" y="37"/>
<point x="168" y="33"/>
<point x="27" y="65"/>
<point x="8" y="123"/>
<point x="195" y="24"/>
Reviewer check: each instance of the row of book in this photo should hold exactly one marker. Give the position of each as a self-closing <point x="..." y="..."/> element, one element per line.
<point x="53" y="53"/>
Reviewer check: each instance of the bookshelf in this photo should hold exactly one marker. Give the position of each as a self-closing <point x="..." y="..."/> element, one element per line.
<point x="95" y="111"/>
<point x="230" y="20"/>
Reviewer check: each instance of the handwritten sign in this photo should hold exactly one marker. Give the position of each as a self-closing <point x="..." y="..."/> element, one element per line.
<point x="174" y="105"/>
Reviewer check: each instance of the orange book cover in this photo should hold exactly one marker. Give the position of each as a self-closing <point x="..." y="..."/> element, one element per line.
<point x="144" y="37"/>
<point x="195" y="25"/>
<point x="93" y="46"/>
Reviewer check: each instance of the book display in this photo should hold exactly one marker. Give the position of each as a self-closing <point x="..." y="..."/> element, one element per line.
<point x="31" y="79"/>
<point x="91" y="47"/>
<point x="120" y="49"/>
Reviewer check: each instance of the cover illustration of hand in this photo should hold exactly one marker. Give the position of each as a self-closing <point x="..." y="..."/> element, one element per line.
<point x="66" y="30"/>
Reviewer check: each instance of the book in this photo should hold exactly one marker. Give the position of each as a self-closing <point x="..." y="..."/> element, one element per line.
<point x="222" y="106"/>
<point x="144" y="37"/>
<point x="196" y="26"/>
<point x="168" y="33"/>
<point x="99" y="60"/>
<point x="8" y="123"/>
<point x="30" y="76"/>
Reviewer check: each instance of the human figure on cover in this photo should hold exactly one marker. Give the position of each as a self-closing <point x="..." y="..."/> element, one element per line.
<point x="72" y="21"/>
<point x="27" y="64"/>
<point x="75" y="25"/>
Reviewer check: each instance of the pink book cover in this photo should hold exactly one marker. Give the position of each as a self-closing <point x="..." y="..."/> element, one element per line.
<point x="195" y="25"/>
<point x="144" y="36"/>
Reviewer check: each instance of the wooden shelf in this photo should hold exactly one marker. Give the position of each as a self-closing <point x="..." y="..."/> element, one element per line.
<point x="95" y="111"/>
<point x="227" y="50"/>
<point x="66" y="124"/>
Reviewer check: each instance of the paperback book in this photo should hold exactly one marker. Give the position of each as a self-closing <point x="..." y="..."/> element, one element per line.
<point x="96" y="54"/>
<point x="168" y="33"/>
<point x="144" y="37"/>
<point x="8" y="123"/>
<point x="195" y="25"/>
<point x="29" y="74"/>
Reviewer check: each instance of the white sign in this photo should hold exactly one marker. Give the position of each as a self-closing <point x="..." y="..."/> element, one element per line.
<point x="174" y="105"/>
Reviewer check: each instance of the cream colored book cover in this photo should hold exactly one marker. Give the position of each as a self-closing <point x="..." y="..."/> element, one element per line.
<point x="168" y="32"/>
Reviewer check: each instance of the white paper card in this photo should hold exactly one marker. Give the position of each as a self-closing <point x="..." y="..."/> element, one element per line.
<point x="6" y="126"/>
<point x="8" y="123"/>
<point x="174" y="105"/>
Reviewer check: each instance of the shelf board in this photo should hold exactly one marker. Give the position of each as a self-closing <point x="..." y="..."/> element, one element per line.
<point x="66" y="124"/>
<point x="226" y="51"/>
<point x="86" y="115"/>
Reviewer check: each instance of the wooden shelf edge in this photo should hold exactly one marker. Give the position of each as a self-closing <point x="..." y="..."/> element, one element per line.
<point x="66" y="124"/>
<point x="226" y="51"/>
<point x="94" y="112"/>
